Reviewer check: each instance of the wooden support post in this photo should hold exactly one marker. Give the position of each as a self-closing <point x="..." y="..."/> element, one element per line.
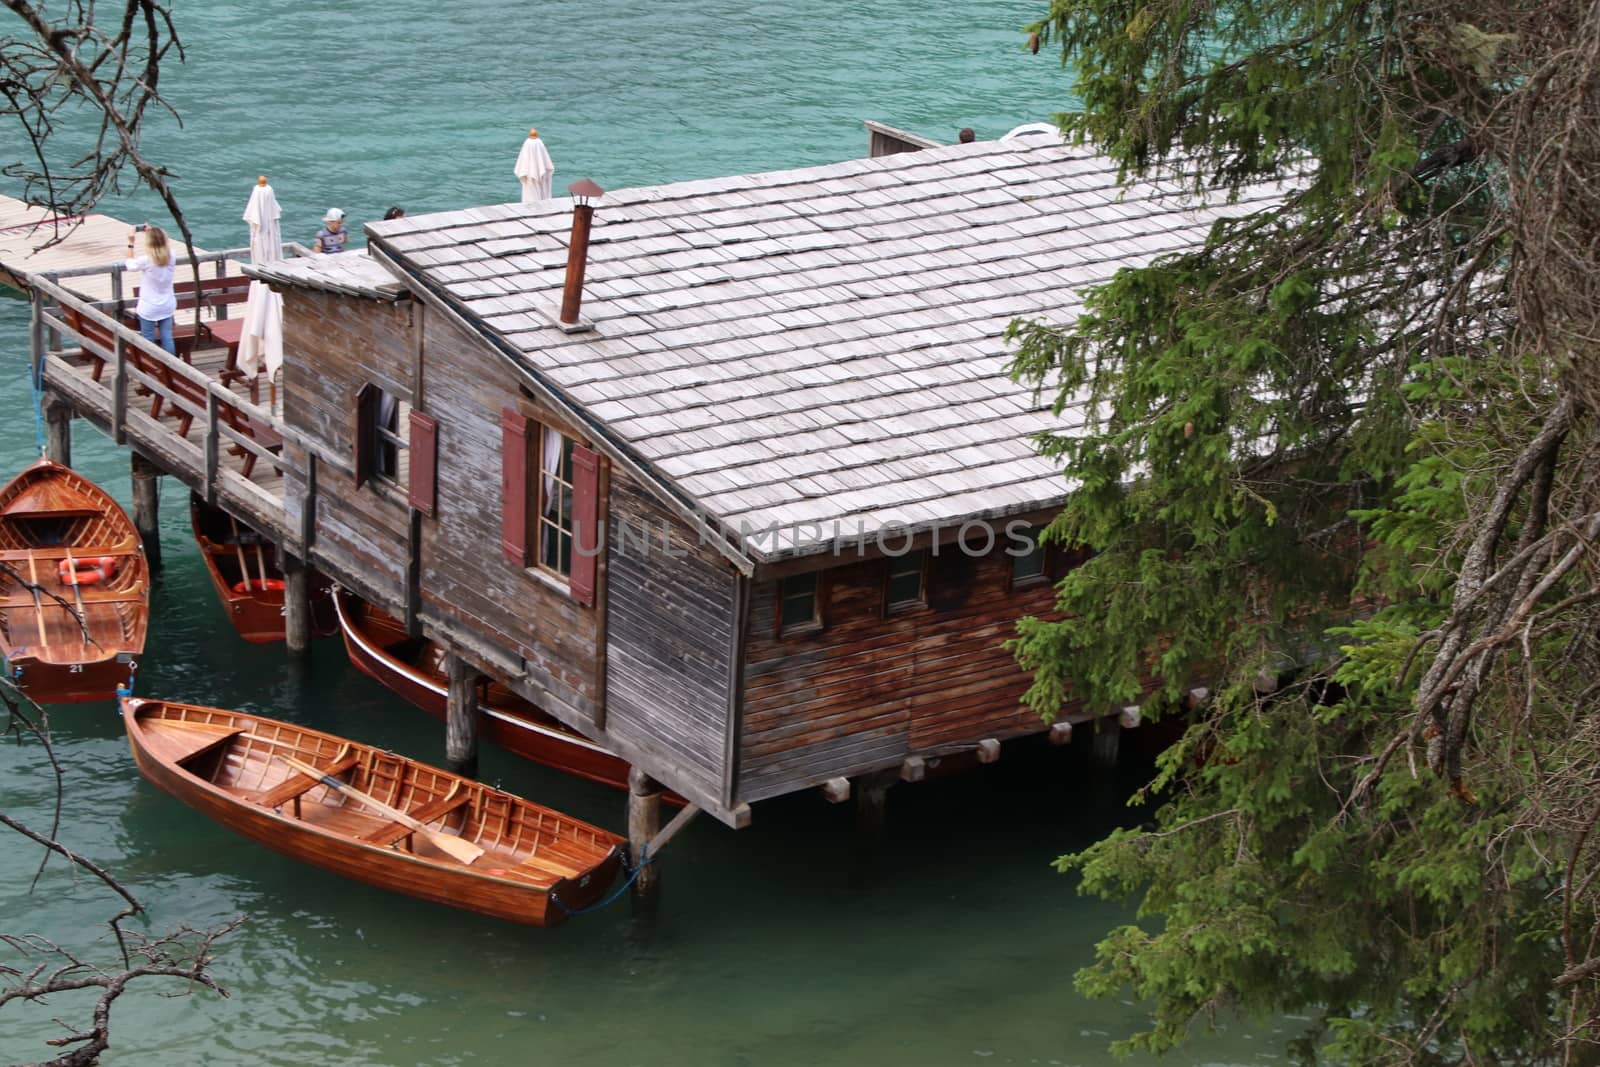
<point x="147" y="507"/>
<point x="58" y="414"/>
<point x="1107" y="741"/>
<point x="1061" y="732"/>
<point x="914" y="769"/>
<point x="644" y="821"/>
<point x="461" y="717"/>
<point x="296" y="605"/>
<point x="836" y="790"/>
<point x="872" y="802"/>
<point x="989" y="750"/>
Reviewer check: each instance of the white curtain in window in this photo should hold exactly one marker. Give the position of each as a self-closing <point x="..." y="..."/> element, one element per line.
<point x="551" y="462"/>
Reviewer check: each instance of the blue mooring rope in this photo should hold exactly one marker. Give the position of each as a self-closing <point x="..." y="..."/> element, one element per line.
<point x="633" y="876"/>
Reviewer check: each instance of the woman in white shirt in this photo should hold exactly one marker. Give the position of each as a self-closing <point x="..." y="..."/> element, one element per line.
<point x="156" y="302"/>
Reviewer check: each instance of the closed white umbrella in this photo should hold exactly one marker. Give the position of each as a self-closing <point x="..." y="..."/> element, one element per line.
<point x="534" y="169"/>
<point x="262" y="213"/>
<point x="261" y="343"/>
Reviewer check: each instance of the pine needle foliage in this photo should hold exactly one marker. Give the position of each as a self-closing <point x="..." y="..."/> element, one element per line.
<point x="1341" y="467"/>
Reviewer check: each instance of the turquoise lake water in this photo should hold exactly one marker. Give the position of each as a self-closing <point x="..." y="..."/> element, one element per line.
<point x="769" y="949"/>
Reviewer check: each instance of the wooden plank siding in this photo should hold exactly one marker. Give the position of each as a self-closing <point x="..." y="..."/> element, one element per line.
<point x="865" y="691"/>
<point x="669" y="642"/>
<point x="333" y="346"/>
<point x="465" y="578"/>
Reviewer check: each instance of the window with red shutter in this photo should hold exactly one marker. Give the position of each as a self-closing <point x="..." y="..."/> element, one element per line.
<point x="382" y="429"/>
<point x="423" y="490"/>
<point x="552" y="516"/>
<point x="586" y="534"/>
<point x="366" y="431"/>
<point x="514" y="486"/>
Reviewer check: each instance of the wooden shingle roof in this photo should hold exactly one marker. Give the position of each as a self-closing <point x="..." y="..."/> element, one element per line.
<point x="820" y="345"/>
<point x="352" y="273"/>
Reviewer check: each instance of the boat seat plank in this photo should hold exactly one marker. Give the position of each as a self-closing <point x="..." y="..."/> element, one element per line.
<point x="390" y="832"/>
<point x="299" y="784"/>
<point x="57" y="552"/>
<point x="178" y="746"/>
<point x="88" y="595"/>
<point x="546" y="863"/>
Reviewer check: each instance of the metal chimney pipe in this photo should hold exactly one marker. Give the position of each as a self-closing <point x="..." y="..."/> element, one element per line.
<point x="583" y="194"/>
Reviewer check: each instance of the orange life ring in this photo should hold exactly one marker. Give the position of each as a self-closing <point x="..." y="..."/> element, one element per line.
<point x="259" y="585"/>
<point x="88" y="571"/>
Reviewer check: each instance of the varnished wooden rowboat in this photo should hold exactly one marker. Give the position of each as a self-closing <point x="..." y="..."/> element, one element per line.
<point x="74" y="587"/>
<point x="232" y="768"/>
<point x="244" y="570"/>
<point x="414" y="668"/>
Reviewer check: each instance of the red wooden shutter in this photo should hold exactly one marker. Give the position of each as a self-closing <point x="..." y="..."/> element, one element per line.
<point x="514" y="486"/>
<point x="586" y="544"/>
<point x="366" y="432"/>
<point x="424" y="461"/>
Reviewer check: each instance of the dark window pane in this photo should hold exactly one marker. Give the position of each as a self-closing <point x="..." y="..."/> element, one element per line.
<point x="905" y="579"/>
<point x="1029" y="565"/>
<point x="799" y="599"/>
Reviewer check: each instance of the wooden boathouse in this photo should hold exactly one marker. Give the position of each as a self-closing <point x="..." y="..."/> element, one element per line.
<point x="727" y="475"/>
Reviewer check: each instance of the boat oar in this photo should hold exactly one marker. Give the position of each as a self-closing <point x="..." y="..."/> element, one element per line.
<point x="238" y="550"/>
<point x="465" y="851"/>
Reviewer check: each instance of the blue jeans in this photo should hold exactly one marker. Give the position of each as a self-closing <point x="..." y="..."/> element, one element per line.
<point x="148" y="327"/>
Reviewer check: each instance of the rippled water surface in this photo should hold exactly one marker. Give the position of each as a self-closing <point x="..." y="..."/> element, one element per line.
<point x="959" y="950"/>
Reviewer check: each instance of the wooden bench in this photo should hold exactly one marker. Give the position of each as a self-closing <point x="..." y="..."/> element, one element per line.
<point x="390" y="832"/>
<point x="214" y="293"/>
<point x="248" y="426"/>
<point x="100" y="345"/>
<point x="297" y="785"/>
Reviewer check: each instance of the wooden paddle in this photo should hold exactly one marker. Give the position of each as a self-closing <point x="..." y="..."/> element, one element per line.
<point x="465" y="851"/>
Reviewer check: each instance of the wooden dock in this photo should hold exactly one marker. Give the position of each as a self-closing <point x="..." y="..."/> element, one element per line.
<point x="36" y="242"/>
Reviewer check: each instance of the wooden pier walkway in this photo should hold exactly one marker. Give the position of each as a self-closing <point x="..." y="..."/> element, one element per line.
<point x="187" y="415"/>
<point x="26" y="233"/>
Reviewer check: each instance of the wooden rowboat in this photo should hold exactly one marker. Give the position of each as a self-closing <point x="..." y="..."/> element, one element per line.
<point x="244" y="570"/>
<point x="413" y="667"/>
<point x="74" y="587"/>
<point x="522" y="862"/>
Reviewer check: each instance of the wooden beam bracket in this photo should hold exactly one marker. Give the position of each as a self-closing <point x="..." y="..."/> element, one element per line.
<point x="669" y="831"/>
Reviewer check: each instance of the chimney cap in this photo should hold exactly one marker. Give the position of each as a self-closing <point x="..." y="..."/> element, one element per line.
<point x="585" y="189"/>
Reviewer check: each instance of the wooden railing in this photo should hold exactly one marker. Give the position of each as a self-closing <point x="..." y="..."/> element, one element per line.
<point x="132" y="362"/>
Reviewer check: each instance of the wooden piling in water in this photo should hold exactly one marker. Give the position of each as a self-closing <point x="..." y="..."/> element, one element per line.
<point x="1107" y="741"/>
<point x="296" y="605"/>
<point x="644" y="821"/>
<point x="147" y="507"/>
<point x="58" y="414"/>
<point x="461" y="718"/>
<point x="871" y="792"/>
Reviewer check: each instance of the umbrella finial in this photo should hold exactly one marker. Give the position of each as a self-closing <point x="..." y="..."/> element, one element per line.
<point x="261" y="179"/>
<point x="533" y="134"/>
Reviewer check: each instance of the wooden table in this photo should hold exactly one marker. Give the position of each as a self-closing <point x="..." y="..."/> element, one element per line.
<point x="228" y="333"/>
